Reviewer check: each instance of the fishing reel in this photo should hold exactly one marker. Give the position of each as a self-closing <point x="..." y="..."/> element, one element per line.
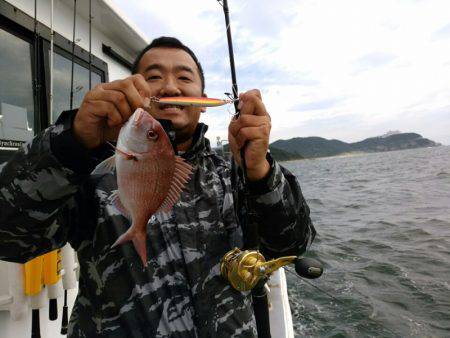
<point x="244" y="269"/>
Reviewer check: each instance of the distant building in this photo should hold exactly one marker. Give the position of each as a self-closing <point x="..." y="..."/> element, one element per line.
<point x="390" y="133"/>
<point x="222" y="146"/>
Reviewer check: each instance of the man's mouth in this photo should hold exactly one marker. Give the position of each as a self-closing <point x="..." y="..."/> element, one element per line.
<point x="169" y="107"/>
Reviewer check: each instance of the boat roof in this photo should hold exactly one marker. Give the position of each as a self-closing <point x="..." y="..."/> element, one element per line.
<point x="111" y="21"/>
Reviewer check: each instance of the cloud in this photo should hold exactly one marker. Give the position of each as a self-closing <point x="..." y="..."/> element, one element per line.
<point x="373" y="60"/>
<point x="347" y="127"/>
<point x="260" y="74"/>
<point x="339" y="69"/>
<point x="263" y="19"/>
<point x="317" y="105"/>
<point x="442" y="33"/>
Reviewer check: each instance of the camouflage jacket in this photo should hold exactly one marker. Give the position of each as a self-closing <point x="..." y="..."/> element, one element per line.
<point x="49" y="197"/>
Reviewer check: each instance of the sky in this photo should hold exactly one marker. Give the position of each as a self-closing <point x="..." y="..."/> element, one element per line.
<point x="346" y="70"/>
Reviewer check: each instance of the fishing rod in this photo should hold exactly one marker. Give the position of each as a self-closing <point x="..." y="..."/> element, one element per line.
<point x="305" y="267"/>
<point x="52" y="270"/>
<point x="259" y="293"/>
<point x="64" y="321"/>
<point x="234" y="86"/>
<point x="36" y="299"/>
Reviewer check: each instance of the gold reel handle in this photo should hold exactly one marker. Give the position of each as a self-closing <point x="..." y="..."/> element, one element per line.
<point x="244" y="269"/>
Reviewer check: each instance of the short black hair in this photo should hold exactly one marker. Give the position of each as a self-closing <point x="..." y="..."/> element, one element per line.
<point x="169" y="42"/>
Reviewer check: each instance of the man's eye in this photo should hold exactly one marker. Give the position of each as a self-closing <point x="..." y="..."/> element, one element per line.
<point x="153" y="77"/>
<point x="184" y="78"/>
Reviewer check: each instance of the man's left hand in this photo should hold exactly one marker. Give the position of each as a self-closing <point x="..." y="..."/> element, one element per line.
<point x="252" y="129"/>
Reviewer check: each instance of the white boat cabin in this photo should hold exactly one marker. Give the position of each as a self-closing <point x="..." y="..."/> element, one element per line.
<point x="25" y="103"/>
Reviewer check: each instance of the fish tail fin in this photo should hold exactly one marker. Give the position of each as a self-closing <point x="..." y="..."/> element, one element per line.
<point x="140" y="244"/>
<point x="125" y="237"/>
<point x="139" y="241"/>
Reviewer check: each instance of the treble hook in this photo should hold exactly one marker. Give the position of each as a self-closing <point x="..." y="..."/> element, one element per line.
<point x="232" y="100"/>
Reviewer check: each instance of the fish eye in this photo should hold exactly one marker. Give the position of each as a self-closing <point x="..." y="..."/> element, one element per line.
<point x="151" y="135"/>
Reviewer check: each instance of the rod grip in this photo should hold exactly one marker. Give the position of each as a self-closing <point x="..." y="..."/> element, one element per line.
<point x="53" y="309"/>
<point x="64" y="321"/>
<point x="65" y="315"/>
<point x="308" y="267"/>
<point x="35" y="325"/>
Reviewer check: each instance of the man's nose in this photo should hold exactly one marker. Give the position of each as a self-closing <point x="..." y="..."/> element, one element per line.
<point x="170" y="88"/>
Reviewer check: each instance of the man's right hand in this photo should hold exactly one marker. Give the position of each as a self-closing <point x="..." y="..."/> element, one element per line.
<point x="106" y="108"/>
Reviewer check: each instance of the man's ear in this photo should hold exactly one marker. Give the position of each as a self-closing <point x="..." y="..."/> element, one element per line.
<point x="203" y="109"/>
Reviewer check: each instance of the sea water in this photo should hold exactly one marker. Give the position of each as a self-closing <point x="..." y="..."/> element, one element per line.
<point x="383" y="223"/>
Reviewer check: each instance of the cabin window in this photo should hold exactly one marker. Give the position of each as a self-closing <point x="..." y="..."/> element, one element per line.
<point x="62" y="68"/>
<point x="25" y="111"/>
<point x="16" y="93"/>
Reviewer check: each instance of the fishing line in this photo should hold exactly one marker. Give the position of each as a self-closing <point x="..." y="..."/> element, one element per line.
<point x="240" y="9"/>
<point x="288" y="269"/>
<point x="234" y="87"/>
<point x="221" y="3"/>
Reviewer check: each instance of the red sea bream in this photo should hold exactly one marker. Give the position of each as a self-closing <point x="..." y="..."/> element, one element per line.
<point x="150" y="176"/>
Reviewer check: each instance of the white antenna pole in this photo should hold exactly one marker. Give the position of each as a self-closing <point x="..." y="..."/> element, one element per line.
<point x="51" y="63"/>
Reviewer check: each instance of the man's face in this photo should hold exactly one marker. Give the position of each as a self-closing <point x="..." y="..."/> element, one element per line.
<point x="173" y="72"/>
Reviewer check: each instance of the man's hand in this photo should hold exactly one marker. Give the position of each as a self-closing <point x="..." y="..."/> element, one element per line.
<point x="106" y="108"/>
<point x="251" y="129"/>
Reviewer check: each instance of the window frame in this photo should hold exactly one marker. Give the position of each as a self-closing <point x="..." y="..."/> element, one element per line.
<point x="22" y="33"/>
<point x="103" y="73"/>
<point x="21" y="25"/>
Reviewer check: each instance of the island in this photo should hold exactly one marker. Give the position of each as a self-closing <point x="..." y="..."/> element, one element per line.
<point x="314" y="146"/>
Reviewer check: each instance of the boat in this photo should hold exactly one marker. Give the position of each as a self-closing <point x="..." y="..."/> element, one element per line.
<point x="102" y="49"/>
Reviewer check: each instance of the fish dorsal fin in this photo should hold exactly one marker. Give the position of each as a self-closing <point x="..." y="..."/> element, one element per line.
<point x="179" y="180"/>
<point x="105" y="166"/>
<point x="117" y="203"/>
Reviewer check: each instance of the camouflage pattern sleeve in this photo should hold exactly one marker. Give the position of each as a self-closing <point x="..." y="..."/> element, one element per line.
<point x="281" y="214"/>
<point x="35" y="185"/>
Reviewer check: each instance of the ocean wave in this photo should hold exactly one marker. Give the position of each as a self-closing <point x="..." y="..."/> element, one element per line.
<point x="384" y="239"/>
<point x="316" y="201"/>
<point x="443" y="174"/>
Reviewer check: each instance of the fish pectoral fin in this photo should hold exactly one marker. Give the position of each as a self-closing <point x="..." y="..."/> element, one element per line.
<point x="179" y="180"/>
<point x="127" y="154"/>
<point x="105" y="166"/>
<point x="117" y="203"/>
<point x="111" y="145"/>
<point x="165" y="208"/>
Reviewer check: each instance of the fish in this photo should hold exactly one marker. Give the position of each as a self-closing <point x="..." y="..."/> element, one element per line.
<point x="150" y="177"/>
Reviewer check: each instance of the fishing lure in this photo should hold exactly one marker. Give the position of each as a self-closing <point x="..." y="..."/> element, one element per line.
<point x="191" y="101"/>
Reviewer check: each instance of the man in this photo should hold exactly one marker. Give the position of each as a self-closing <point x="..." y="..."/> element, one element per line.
<point x="48" y="197"/>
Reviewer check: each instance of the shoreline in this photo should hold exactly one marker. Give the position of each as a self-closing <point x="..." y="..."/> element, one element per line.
<point x="360" y="153"/>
